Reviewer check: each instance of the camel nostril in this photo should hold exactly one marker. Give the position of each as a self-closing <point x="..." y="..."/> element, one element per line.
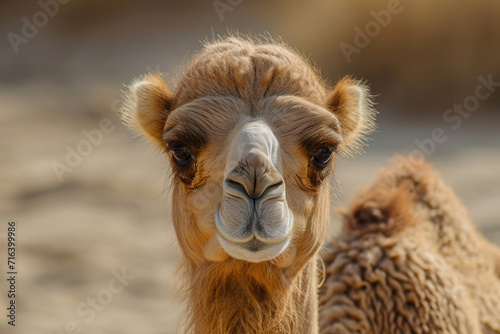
<point x="243" y="188"/>
<point x="272" y="190"/>
<point x="235" y="188"/>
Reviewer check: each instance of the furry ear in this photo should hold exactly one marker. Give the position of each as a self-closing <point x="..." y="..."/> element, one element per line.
<point x="350" y="101"/>
<point x="148" y="104"/>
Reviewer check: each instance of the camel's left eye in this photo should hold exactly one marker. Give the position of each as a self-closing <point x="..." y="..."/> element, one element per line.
<point x="322" y="157"/>
<point x="181" y="154"/>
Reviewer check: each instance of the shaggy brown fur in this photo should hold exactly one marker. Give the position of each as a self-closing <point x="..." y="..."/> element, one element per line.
<point x="410" y="261"/>
<point x="227" y="84"/>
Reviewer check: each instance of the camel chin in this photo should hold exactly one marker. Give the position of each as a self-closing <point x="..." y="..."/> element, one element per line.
<point x="255" y="246"/>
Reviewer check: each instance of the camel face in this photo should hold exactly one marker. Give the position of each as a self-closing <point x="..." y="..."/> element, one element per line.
<point x="251" y="132"/>
<point x="252" y="181"/>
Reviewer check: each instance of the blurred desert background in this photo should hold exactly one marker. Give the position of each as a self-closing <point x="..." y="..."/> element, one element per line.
<point x="112" y="212"/>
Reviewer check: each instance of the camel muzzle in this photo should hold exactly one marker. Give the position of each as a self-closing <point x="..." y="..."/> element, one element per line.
<point x="254" y="222"/>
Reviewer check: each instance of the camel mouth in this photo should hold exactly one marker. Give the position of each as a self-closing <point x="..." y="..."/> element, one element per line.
<point x="253" y="250"/>
<point x="255" y="245"/>
<point x="251" y="245"/>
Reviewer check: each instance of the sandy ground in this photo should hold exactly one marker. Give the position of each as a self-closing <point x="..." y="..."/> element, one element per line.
<point x="111" y="212"/>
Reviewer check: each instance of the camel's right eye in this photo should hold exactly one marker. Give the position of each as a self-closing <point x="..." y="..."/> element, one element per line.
<point x="181" y="154"/>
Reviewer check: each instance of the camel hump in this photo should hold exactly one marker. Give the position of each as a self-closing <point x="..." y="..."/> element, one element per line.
<point x="391" y="204"/>
<point x="406" y="194"/>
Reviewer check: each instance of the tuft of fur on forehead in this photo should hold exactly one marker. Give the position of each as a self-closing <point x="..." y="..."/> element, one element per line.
<point x="249" y="70"/>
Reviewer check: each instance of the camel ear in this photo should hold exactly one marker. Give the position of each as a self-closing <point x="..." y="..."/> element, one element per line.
<point x="350" y="102"/>
<point x="148" y="104"/>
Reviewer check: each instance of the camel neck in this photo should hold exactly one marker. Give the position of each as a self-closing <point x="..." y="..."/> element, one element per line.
<point x="233" y="303"/>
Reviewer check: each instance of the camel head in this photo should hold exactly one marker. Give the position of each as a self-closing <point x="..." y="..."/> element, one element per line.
<point x="252" y="134"/>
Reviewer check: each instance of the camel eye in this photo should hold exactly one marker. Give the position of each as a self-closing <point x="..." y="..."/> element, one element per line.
<point x="323" y="155"/>
<point x="181" y="154"/>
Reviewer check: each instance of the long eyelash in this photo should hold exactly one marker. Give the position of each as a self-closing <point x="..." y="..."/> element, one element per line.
<point x="187" y="133"/>
<point x="171" y="144"/>
<point x="315" y="143"/>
